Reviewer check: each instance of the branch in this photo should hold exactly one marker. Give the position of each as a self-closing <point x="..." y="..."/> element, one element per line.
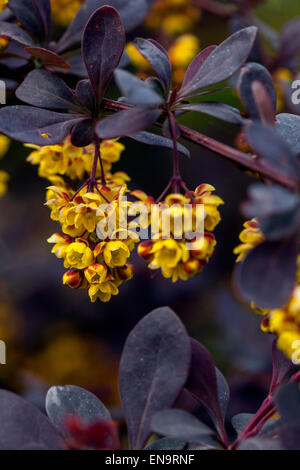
<point x="246" y="160"/>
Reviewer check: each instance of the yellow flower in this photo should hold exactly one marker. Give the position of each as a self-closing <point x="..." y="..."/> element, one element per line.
<point x="173" y="16"/>
<point x="3" y="4"/>
<point x="285" y="323"/>
<point x="103" y="291"/>
<point x="73" y="278"/>
<point x="4" y="145"/>
<point x="250" y="237"/>
<point x="74" y="162"/>
<point x="86" y="212"/>
<point x="4" y="178"/>
<point x="114" y="253"/>
<point x="203" y="195"/>
<point x="78" y="255"/>
<point x="183" y="50"/>
<point x="136" y="57"/>
<point x="64" y="10"/>
<point x="96" y="273"/>
<point x="61" y="242"/>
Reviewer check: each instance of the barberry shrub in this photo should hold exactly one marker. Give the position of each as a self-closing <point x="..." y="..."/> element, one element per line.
<point x="62" y="111"/>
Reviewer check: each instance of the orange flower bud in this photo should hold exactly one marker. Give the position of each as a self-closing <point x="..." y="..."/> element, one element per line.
<point x="145" y="250"/>
<point x="125" y="273"/>
<point x="192" y="266"/>
<point x="241" y="143"/>
<point x="73" y="278"/>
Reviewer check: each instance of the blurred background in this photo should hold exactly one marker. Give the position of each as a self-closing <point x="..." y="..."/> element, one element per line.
<point x="54" y="335"/>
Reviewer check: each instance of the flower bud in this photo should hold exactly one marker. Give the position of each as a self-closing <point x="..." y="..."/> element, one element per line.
<point x="73" y="278"/>
<point x="145" y="250"/>
<point x="125" y="273"/>
<point x="192" y="266"/>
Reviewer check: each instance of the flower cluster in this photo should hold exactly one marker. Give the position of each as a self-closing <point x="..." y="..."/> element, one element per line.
<point x="96" y="258"/>
<point x="182" y="256"/>
<point x="74" y="162"/>
<point x="283" y="322"/>
<point x="64" y="10"/>
<point x="173" y="16"/>
<point x="4" y="177"/>
<point x="181" y="53"/>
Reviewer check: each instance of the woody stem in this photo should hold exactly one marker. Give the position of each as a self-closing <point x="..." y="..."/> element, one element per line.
<point x="176" y="179"/>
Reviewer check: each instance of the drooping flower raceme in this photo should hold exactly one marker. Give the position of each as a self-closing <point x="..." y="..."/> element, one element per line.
<point x="96" y="258"/>
<point x="182" y="253"/>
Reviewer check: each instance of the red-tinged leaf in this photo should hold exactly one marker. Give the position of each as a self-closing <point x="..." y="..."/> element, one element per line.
<point x="156" y="358"/>
<point x="84" y="94"/>
<point x="268" y="274"/>
<point x="202" y="383"/>
<point x="195" y="66"/>
<point x="47" y="57"/>
<point x="36" y="126"/>
<point x="218" y="110"/>
<point x="263" y="103"/>
<point x="23" y="426"/>
<point x="223" y="62"/>
<point x="103" y="44"/>
<point x="273" y="150"/>
<point x="249" y="74"/>
<point x="34" y="15"/>
<point x="46" y="90"/>
<point x="127" y="122"/>
<point x="69" y="400"/>
<point x="283" y="368"/>
<point x="15" y="33"/>
<point x="158" y="57"/>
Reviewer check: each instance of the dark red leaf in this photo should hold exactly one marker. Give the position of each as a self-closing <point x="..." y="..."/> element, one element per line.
<point x="158" y="57"/>
<point x="127" y="122"/>
<point x="268" y="274"/>
<point x="15" y="33"/>
<point x="47" y="57"/>
<point x="103" y="44"/>
<point x="153" y="370"/>
<point x="36" y="126"/>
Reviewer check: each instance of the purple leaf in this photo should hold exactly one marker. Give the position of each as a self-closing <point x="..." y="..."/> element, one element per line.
<point x="195" y="65"/>
<point x="47" y="57"/>
<point x="255" y="72"/>
<point x="289" y="41"/>
<point x="283" y="368"/>
<point x="103" y="44"/>
<point x="288" y="126"/>
<point x="46" y="90"/>
<point x="156" y="358"/>
<point x="202" y="383"/>
<point x="70" y="400"/>
<point x="24" y="426"/>
<point x="158" y="141"/>
<point x="127" y="122"/>
<point x="223" y="62"/>
<point x="274" y="152"/>
<point x="15" y="33"/>
<point x="158" y="57"/>
<point x="36" y="126"/>
<point x="135" y="90"/>
<point x="267" y="276"/>
<point x="83" y="133"/>
<point x="179" y="424"/>
<point x="84" y="94"/>
<point x="218" y="110"/>
<point x="276" y="208"/>
<point x="132" y="13"/>
<point x="34" y="15"/>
